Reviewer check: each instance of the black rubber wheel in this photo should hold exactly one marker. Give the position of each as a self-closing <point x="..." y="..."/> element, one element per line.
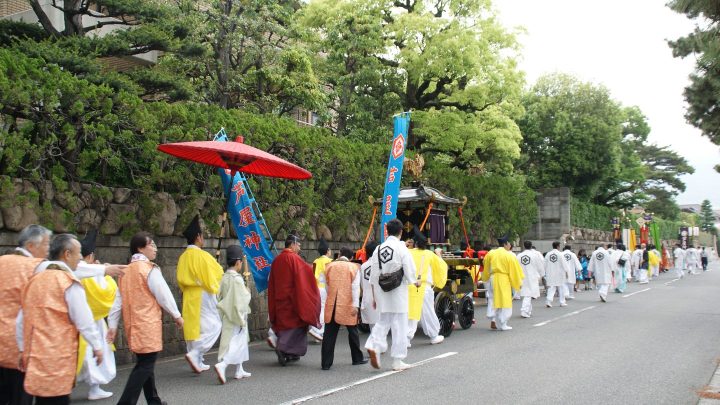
<point x="466" y="315"/>
<point x="445" y="311"/>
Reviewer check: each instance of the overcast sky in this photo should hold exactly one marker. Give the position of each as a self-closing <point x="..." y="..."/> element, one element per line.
<point x="621" y="44"/>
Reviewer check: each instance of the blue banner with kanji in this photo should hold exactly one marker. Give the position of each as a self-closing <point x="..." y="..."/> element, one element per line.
<point x="401" y="124"/>
<point x="245" y="222"/>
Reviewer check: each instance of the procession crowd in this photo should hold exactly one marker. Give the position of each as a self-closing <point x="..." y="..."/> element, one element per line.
<point x="60" y="309"/>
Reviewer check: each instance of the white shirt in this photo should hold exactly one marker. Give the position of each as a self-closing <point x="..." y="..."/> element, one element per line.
<point x="83" y="270"/>
<point x="556" y="268"/>
<point x="159" y="289"/>
<point x="601" y="266"/>
<point x="78" y="311"/>
<point x="394" y="254"/>
<point x="573" y="263"/>
<point x="533" y="267"/>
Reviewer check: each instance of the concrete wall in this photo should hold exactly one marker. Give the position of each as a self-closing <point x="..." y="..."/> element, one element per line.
<point x="553" y="215"/>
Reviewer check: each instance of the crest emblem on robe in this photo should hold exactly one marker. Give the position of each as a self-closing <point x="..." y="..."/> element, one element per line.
<point x="525" y="260"/>
<point x="567" y="257"/>
<point x="386" y="254"/>
<point x="553" y="258"/>
<point x="600" y="256"/>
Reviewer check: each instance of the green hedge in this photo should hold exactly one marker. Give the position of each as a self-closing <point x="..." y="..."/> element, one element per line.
<point x="591" y="216"/>
<point x="587" y="215"/>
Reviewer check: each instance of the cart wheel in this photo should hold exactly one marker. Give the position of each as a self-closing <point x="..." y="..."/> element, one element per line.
<point x="466" y="315"/>
<point x="444" y="309"/>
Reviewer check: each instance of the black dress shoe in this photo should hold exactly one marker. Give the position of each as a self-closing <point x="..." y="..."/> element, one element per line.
<point x="292" y="357"/>
<point x="281" y="358"/>
<point x="359" y="362"/>
<point x="326" y="368"/>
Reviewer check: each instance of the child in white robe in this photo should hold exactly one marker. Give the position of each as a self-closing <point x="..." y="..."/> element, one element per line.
<point x="234" y="307"/>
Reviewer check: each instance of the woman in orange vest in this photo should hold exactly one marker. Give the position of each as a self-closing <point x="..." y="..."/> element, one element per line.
<point x="142" y="295"/>
<point x="342" y="283"/>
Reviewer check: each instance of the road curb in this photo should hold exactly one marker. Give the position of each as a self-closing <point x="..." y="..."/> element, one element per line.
<point x="710" y="394"/>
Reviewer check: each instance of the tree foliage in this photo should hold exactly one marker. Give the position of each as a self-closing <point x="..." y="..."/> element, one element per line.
<point x="707" y="217"/>
<point x="703" y="93"/>
<point x="449" y="62"/>
<point x="576" y="135"/>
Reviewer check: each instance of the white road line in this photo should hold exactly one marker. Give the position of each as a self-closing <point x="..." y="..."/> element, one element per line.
<point x="636" y="292"/>
<point x="672" y="281"/>
<point x="564" y="316"/>
<point x="363" y="381"/>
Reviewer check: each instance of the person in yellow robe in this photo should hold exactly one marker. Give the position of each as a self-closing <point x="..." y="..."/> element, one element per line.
<point x="319" y="269"/>
<point x="487" y="284"/>
<point x="198" y="276"/>
<point x="432" y="272"/>
<point x="505" y="274"/>
<point x="100" y="292"/>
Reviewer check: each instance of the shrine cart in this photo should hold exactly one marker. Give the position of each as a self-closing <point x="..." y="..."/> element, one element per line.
<point x="428" y="209"/>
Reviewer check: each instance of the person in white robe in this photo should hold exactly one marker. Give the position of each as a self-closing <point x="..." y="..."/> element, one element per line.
<point x="601" y="266"/>
<point x="234" y="307"/>
<point x="534" y="269"/>
<point x="635" y="259"/>
<point x="391" y="256"/>
<point x="556" y="271"/>
<point x="679" y="256"/>
<point x="368" y="312"/>
<point x="573" y="268"/>
<point x="691" y="260"/>
<point x="621" y="266"/>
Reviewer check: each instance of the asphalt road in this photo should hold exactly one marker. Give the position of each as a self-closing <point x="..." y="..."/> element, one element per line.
<point x="654" y="344"/>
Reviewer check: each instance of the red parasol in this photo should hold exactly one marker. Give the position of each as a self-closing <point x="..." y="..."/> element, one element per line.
<point x="236" y="156"/>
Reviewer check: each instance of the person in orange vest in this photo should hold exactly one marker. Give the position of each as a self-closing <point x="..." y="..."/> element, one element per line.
<point x="342" y="283"/>
<point x="141" y="297"/>
<point x="54" y="312"/>
<point x="16" y="268"/>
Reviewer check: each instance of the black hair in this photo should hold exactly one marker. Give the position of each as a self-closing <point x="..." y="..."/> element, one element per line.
<point x="556" y="245"/>
<point x="527" y="244"/>
<point x="394" y="227"/>
<point x="347" y="252"/>
<point x="291" y="239"/>
<point x="370" y="248"/>
<point x="139" y="241"/>
<point x="567" y="247"/>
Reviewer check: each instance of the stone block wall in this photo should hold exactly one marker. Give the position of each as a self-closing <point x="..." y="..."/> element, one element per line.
<point x="118" y="213"/>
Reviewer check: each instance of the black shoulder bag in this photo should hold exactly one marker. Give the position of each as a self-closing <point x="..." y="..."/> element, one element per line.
<point x="389" y="281"/>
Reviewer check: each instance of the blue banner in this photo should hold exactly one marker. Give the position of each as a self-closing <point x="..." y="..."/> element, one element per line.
<point x="401" y="125"/>
<point x="242" y="215"/>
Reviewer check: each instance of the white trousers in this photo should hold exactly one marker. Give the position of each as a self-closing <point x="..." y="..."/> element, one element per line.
<point x="679" y="271"/>
<point x="603" y="290"/>
<point x="489" y="295"/>
<point x="502" y="316"/>
<point x="91" y="372"/>
<point x="210" y="327"/>
<point x="429" y="321"/>
<point x="569" y="289"/>
<point x="655" y="270"/>
<point x="237" y="352"/>
<point x="691" y="266"/>
<point x="526" y="309"/>
<point x="390" y="321"/>
<point x="323" y="298"/>
<point x="551" y="294"/>
<point x="642" y="275"/>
